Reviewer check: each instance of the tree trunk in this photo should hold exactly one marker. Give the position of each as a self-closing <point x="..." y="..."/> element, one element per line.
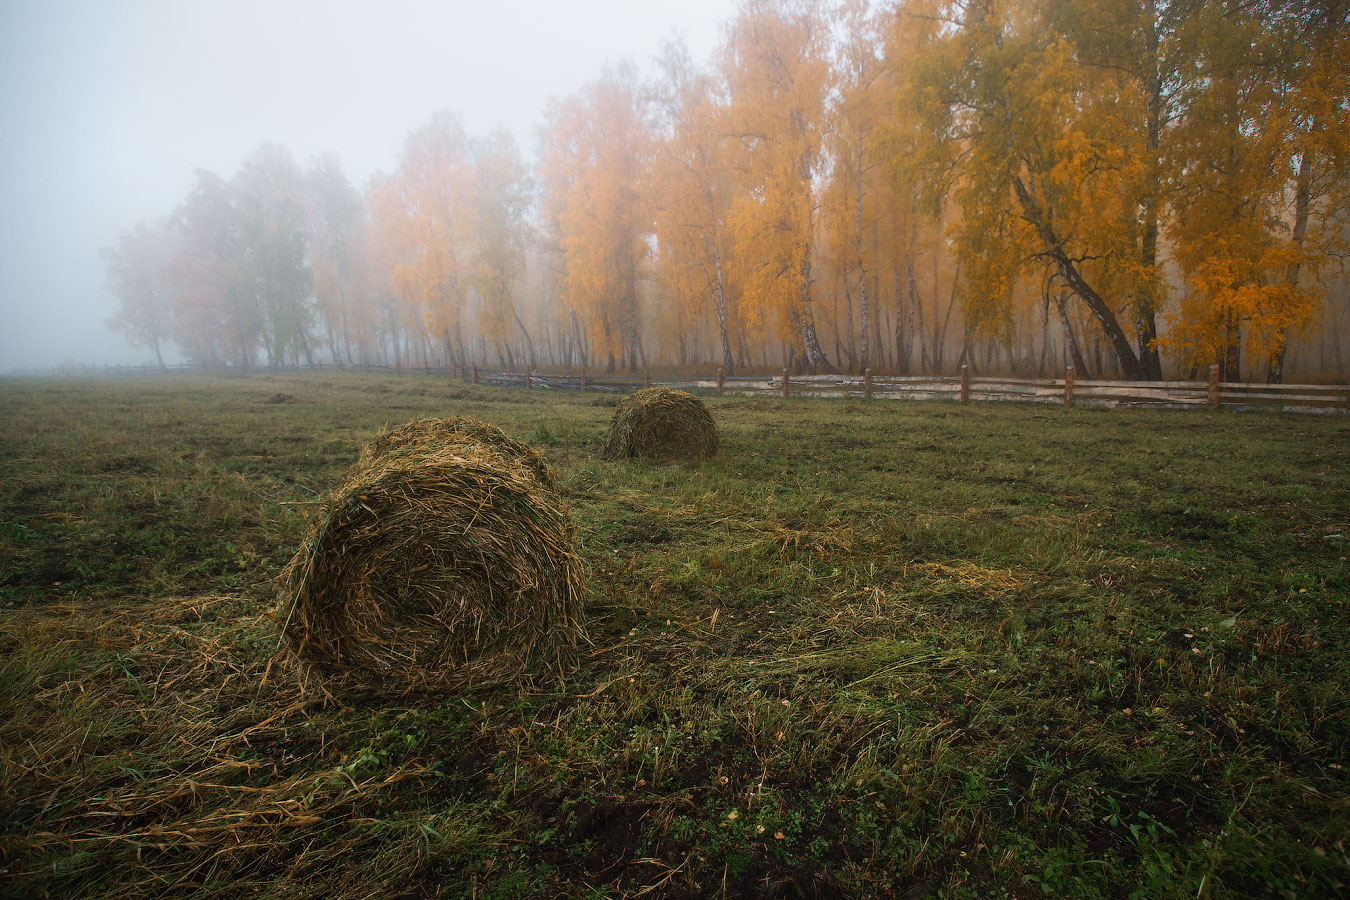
<point x="865" y="354"/>
<point x="529" y="341"/>
<point x="916" y="307"/>
<point x="1045" y="330"/>
<point x="1053" y="248"/>
<point x="1302" y="198"/>
<point x="1070" y="339"/>
<point x="630" y="320"/>
<point x="1230" y="359"/>
<point x="940" y="339"/>
<point x="719" y="286"/>
<point x="967" y="357"/>
<point x="1145" y="306"/>
<point x="815" y="356"/>
<point x="904" y="323"/>
<point x="720" y="306"/>
<point x="882" y="348"/>
<point x="851" y="348"/>
<point x="916" y="301"/>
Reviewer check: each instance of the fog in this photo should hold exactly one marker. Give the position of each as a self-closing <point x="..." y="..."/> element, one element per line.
<point x="107" y="109"/>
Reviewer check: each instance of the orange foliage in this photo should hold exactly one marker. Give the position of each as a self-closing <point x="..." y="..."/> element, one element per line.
<point x="594" y="156"/>
<point x="908" y="182"/>
<point x="776" y="68"/>
<point x="421" y="219"/>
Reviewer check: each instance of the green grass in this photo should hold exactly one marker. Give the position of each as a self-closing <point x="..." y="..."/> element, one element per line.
<point x="891" y="650"/>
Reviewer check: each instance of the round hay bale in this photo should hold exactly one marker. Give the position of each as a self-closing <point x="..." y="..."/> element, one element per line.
<point x="662" y="424"/>
<point x="436" y="566"/>
<point x="457" y="431"/>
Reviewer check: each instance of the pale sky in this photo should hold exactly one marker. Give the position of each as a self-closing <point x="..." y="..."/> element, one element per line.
<point x="107" y="107"/>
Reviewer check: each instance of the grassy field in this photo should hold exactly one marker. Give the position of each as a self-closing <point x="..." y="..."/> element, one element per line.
<point x="883" y="650"/>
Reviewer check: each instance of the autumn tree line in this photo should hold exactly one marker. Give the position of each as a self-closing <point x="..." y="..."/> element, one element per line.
<point x="1139" y="188"/>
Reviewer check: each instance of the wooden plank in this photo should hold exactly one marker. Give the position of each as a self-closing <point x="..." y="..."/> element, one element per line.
<point x="977" y="381"/>
<point x="1122" y="399"/>
<point x="1318" y="389"/>
<point x="1107" y="382"/>
<point x="919" y="395"/>
<point x="1135" y="391"/>
<point x="1282" y="400"/>
<point x="952" y="384"/>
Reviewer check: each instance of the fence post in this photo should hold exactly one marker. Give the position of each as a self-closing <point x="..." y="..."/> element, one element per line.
<point x="965" y="384"/>
<point x="529" y="382"/>
<point x="721" y="376"/>
<point x="1068" y="385"/>
<point x="473" y="373"/>
<point x="1214" y="387"/>
<point x="785" y="382"/>
<point x="583" y="376"/>
<point x="867" y="384"/>
<point x="646" y="378"/>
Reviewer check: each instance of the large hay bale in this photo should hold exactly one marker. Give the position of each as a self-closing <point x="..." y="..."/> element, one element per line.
<point x="662" y="424"/>
<point x="456" y="431"/>
<point x="434" y="566"/>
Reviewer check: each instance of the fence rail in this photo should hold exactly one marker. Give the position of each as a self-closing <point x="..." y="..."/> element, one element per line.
<point x="186" y="368"/>
<point x="1069" y="391"/>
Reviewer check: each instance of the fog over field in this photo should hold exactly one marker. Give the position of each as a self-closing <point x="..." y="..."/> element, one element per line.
<point x="106" y="110"/>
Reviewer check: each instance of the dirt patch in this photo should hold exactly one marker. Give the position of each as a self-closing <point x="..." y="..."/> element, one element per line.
<point x="611" y="832"/>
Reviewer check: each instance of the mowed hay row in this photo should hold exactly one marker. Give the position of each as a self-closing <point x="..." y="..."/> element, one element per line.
<point x="661" y="424"/>
<point x="457" y="431"/>
<point x="436" y="566"/>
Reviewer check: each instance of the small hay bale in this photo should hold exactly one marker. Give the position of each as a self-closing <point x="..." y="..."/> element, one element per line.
<point x="662" y="424"/>
<point x="436" y="566"/>
<point x="457" y="431"/>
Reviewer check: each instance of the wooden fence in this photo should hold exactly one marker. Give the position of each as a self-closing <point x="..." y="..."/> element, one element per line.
<point x="1069" y="390"/>
<point x="186" y="368"/>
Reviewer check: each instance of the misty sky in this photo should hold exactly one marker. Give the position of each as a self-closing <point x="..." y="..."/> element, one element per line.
<point x="107" y="108"/>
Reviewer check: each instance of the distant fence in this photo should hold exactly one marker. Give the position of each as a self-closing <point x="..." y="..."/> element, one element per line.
<point x="186" y="368"/>
<point x="1069" y="390"/>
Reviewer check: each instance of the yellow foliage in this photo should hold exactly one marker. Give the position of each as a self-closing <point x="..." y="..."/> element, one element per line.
<point x="594" y="157"/>
<point x="776" y="68"/>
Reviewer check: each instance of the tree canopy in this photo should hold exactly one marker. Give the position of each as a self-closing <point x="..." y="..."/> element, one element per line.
<point x="839" y="187"/>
